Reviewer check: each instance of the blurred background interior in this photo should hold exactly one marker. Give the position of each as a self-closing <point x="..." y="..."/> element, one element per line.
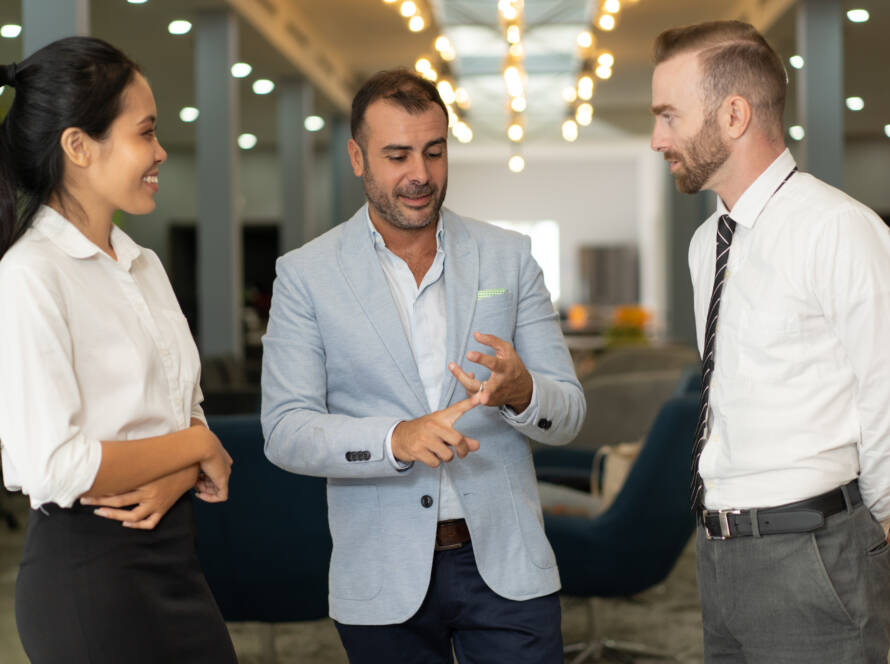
<point x="549" y="104"/>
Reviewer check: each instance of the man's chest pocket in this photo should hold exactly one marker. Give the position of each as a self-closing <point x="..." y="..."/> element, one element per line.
<point x="495" y="314"/>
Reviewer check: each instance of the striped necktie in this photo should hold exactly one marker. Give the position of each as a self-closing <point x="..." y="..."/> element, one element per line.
<point x="725" y="230"/>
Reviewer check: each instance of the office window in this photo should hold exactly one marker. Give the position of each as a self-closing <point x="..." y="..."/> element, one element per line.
<point x="545" y="248"/>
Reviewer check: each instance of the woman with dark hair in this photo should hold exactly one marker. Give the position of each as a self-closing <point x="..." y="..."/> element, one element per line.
<point x="99" y="400"/>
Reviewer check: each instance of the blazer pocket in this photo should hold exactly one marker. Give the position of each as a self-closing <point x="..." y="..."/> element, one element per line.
<point x="527" y="507"/>
<point x="354" y="515"/>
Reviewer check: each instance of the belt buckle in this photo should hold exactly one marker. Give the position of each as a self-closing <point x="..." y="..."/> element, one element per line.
<point x="723" y="520"/>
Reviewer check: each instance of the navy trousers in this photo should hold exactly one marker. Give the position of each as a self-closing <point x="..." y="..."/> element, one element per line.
<point x="462" y="612"/>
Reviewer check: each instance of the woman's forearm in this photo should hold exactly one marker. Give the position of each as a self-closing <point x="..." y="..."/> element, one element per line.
<point x="128" y="464"/>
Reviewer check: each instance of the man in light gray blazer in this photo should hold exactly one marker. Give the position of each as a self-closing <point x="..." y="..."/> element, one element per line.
<point x="410" y="356"/>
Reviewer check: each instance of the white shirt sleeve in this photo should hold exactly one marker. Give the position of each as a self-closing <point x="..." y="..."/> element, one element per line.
<point x="398" y="465"/>
<point x="851" y="270"/>
<point x="529" y="415"/>
<point x="41" y="399"/>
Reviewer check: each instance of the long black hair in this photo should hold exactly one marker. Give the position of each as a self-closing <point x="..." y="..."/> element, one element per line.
<point x="72" y="82"/>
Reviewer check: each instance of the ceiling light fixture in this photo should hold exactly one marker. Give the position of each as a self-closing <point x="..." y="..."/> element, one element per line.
<point x="796" y="61"/>
<point x="263" y="86"/>
<point x="408" y="8"/>
<point x="796" y="132"/>
<point x="858" y="15"/>
<point x="241" y="70"/>
<point x="516" y="163"/>
<point x="10" y="31"/>
<point x="313" y="123"/>
<point x="247" y="141"/>
<point x="188" y="114"/>
<point x="179" y="27"/>
<point x="855" y="103"/>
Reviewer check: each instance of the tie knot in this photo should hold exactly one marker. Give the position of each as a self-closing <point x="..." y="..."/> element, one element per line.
<point x="725" y="229"/>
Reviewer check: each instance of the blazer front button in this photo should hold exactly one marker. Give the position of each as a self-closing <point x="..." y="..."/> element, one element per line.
<point x="349" y="456"/>
<point x="427" y="501"/>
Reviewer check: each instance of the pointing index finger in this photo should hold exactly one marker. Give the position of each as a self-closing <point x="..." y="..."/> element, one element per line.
<point x="454" y="412"/>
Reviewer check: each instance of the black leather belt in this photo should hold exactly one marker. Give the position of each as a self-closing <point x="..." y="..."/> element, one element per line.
<point x="452" y="534"/>
<point x="798" y="517"/>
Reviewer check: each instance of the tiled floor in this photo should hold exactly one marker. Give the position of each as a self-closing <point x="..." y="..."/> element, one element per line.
<point x="666" y="616"/>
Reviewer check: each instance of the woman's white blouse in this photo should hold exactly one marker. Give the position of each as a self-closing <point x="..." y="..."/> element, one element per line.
<point x="90" y="350"/>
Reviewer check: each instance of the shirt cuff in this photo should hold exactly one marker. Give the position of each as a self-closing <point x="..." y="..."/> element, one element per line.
<point x="398" y="465"/>
<point x="529" y="415"/>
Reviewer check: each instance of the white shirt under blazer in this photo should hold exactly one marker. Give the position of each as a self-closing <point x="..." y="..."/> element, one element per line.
<point x="800" y="396"/>
<point x="90" y="350"/>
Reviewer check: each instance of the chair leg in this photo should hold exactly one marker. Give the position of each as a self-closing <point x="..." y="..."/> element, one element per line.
<point x="593" y="649"/>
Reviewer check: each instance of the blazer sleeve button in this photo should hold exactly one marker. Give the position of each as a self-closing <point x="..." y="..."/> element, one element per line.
<point x="427" y="501"/>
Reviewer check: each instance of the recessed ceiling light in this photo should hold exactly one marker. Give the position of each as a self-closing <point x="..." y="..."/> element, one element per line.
<point x="246" y="141"/>
<point x="10" y="31"/>
<point x="858" y="15"/>
<point x="887" y="130"/>
<point x="188" y="114"/>
<point x="796" y="61"/>
<point x="796" y="132"/>
<point x="463" y="132"/>
<point x="570" y="130"/>
<point x="313" y="123"/>
<point x="855" y="103"/>
<point x="408" y="8"/>
<point x="263" y="86"/>
<point x="241" y="70"/>
<point x="137" y="2"/>
<point x="416" y="24"/>
<point x="179" y="27"/>
<point x="516" y="163"/>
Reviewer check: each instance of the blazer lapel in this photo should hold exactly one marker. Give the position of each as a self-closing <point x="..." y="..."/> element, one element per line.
<point x="461" y="285"/>
<point x="361" y="267"/>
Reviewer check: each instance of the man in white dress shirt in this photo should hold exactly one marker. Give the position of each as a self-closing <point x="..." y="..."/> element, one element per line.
<point x="792" y="305"/>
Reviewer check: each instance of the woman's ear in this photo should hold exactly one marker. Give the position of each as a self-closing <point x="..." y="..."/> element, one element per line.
<point x="77" y="146"/>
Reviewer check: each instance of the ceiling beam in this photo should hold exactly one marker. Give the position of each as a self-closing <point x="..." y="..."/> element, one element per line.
<point x="762" y="14"/>
<point x="282" y="24"/>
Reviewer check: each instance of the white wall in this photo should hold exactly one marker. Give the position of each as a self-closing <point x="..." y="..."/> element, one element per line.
<point x="610" y="193"/>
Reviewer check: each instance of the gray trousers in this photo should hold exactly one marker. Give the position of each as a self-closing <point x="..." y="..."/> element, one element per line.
<point x="818" y="597"/>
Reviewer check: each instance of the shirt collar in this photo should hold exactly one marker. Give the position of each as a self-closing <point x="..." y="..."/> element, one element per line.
<point x="67" y="237"/>
<point x="377" y="238"/>
<point x="751" y="203"/>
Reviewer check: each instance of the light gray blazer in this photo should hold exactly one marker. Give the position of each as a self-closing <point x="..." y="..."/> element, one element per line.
<point x="338" y="373"/>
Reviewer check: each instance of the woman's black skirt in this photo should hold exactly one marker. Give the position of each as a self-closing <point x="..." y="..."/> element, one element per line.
<point x="90" y="591"/>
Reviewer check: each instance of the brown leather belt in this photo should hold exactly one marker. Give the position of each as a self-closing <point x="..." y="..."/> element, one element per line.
<point x="452" y="534"/>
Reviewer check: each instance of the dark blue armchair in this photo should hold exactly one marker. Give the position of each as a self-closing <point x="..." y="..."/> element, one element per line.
<point x="265" y="552"/>
<point x="635" y="543"/>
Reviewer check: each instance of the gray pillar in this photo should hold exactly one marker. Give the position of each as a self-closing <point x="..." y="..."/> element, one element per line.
<point x="44" y="21"/>
<point x="347" y="192"/>
<point x="296" y="100"/>
<point x="219" y="225"/>
<point x="820" y="96"/>
<point x="684" y="214"/>
<point x="342" y="177"/>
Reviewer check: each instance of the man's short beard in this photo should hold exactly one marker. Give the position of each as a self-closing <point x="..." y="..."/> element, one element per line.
<point x="706" y="153"/>
<point x="385" y="203"/>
